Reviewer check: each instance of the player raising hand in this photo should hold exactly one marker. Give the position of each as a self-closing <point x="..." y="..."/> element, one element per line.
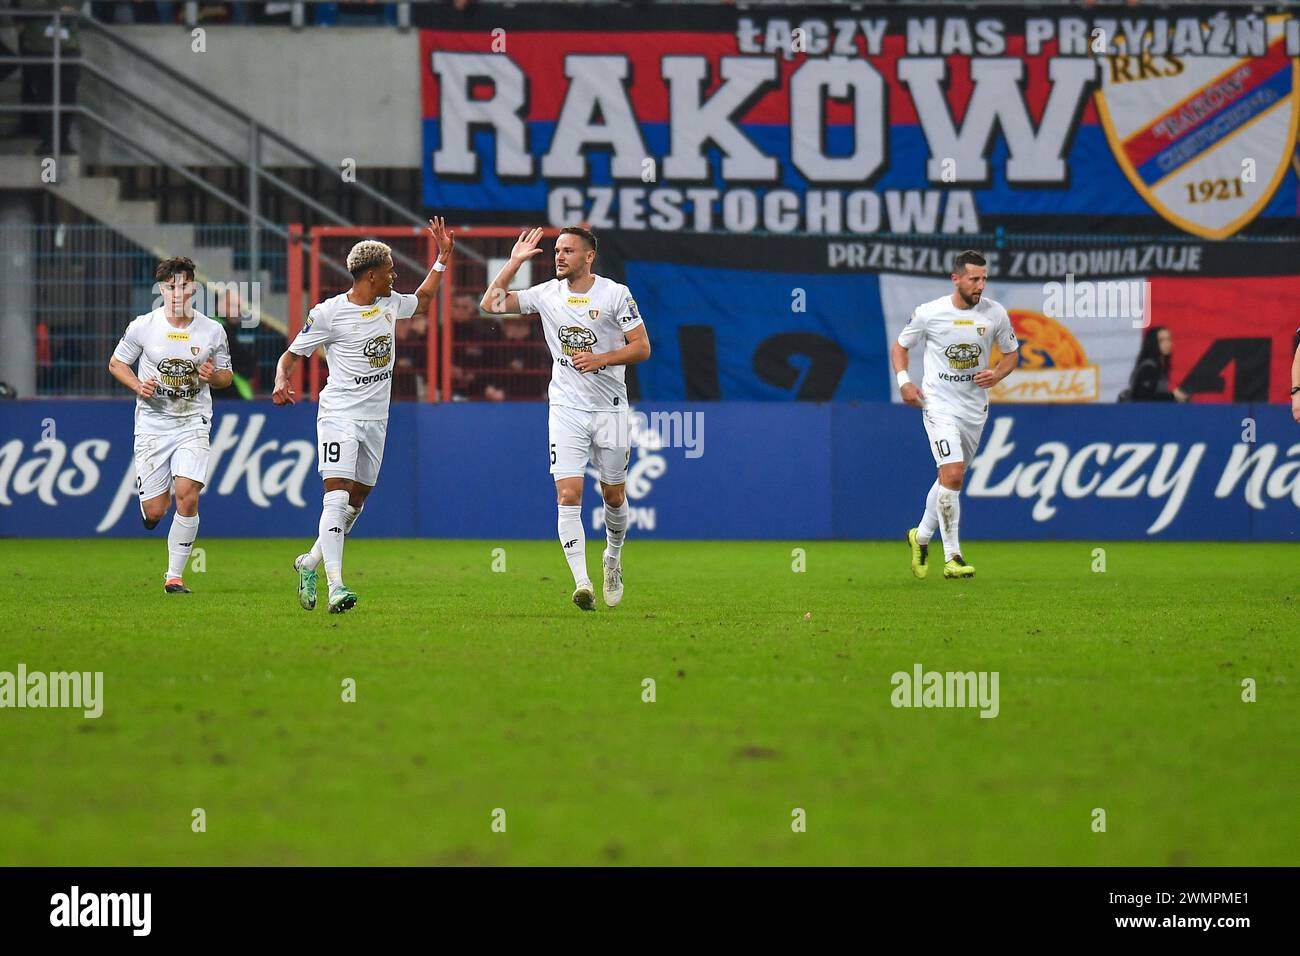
<point x="356" y="331"/>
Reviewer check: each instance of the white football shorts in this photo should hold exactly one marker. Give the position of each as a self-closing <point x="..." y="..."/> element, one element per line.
<point x="952" y="439"/>
<point x="578" y="437"/>
<point x="159" y="459"/>
<point x="350" y="449"/>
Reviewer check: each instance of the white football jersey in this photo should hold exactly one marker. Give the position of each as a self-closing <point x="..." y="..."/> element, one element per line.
<point x="957" y="346"/>
<point x="172" y="355"/>
<point x="358" y="341"/>
<point x="592" y="321"/>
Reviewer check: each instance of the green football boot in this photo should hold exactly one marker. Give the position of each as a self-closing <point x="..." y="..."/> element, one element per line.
<point x="342" y="598"/>
<point x="958" y="568"/>
<point x="920" y="555"/>
<point x="306" y="583"/>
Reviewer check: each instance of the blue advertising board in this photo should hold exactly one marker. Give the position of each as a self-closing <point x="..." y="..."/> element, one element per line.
<point x="727" y="470"/>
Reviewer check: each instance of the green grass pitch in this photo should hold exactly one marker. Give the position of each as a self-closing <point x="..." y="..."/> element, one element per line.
<point x="478" y="690"/>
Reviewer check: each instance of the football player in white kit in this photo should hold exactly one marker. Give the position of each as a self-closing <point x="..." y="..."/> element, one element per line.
<point x="959" y="331"/>
<point x="593" y="330"/>
<point x="356" y="330"/>
<point x="182" y="355"/>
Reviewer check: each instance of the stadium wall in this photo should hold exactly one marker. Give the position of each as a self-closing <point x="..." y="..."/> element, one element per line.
<point x="742" y="470"/>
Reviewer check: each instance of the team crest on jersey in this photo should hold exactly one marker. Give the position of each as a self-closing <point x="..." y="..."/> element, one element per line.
<point x="1183" y="128"/>
<point x="595" y="314"/>
<point x="963" y="355"/>
<point x="176" y="372"/>
<point x="981" y="329"/>
<point x="379" y="350"/>
<point x="575" y="339"/>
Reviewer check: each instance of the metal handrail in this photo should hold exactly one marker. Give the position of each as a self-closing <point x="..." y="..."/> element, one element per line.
<point x="256" y="131"/>
<point x="177" y="77"/>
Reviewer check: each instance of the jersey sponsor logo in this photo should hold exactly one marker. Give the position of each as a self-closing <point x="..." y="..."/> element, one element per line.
<point x="577" y="301"/>
<point x="1051" y="366"/>
<point x="575" y="339"/>
<point x="178" y="336"/>
<point x="370" y="313"/>
<point x="963" y="321"/>
<point x="379" y="350"/>
<point x="177" y="372"/>
<point x="367" y="379"/>
<point x="963" y="355"/>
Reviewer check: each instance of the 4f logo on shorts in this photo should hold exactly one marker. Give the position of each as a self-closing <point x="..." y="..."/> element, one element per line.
<point x="379" y="350"/>
<point x="575" y="339"/>
<point x="963" y="355"/>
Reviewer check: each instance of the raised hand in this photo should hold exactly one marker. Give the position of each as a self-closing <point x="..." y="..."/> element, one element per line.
<point x="529" y="245"/>
<point x="445" y="238"/>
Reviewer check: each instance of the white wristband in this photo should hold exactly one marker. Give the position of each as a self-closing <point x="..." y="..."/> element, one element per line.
<point x="438" y="266"/>
<point x="902" y="378"/>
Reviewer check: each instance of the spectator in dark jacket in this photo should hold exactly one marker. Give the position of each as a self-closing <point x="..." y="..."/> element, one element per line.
<point x="1150" y="379"/>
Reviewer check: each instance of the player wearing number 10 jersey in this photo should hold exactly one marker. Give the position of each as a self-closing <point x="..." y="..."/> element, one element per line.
<point x="958" y="332"/>
<point x="356" y="331"/>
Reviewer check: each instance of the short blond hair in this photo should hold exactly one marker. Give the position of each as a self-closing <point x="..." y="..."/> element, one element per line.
<point x="367" y="254"/>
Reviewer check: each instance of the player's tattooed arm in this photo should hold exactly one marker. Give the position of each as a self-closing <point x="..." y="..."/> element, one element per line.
<point x="126" y="375"/>
<point x="498" y="299"/>
<point x="909" y="391"/>
<point x="987" y="378"/>
<point x="428" y="290"/>
<point x="283" y="393"/>
<point x="636" y="350"/>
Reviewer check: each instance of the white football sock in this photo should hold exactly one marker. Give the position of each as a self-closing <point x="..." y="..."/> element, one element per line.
<point x="574" y="541"/>
<point x="930" y="520"/>
<point x="180" y="542"/>
<point x="313" y="558"/>
<point x="949" y="519"/>
<point x="615" y="529"/>
<point x="333" y="520"/>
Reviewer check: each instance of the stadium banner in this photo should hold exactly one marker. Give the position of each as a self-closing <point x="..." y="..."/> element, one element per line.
<point x="734" y="470"/>
<point x="876" y="120"/>
<point x="724" y="328"/>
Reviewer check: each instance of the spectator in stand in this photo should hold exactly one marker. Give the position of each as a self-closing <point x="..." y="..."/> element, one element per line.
<point x="411" y="351"/>
<point x="519" y="364"/>
<point x="471" y="339"/>
<point x="1150" y="379"/>
<point x="243" y="349"/>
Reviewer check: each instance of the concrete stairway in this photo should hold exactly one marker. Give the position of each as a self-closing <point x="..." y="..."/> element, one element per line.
<point x="99" y="198"/>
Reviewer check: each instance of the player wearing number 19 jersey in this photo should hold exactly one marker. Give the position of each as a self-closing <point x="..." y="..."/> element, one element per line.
<point x="356" y="329"/>
<point x="958" y="332"/>
<point x="593" y="329"/>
